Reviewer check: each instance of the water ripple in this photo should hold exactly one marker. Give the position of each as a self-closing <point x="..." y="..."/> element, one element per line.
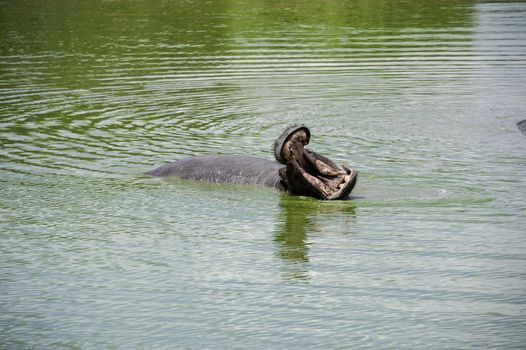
<point x="421" y="98"/>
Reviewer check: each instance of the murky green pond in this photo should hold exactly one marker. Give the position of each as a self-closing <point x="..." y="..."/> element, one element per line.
<point x="421" y="97"/>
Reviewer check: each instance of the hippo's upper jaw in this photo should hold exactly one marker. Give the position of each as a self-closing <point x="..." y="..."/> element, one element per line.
<point x="310" y="174"/>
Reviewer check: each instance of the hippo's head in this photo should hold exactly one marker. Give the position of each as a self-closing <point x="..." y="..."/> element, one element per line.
<point x="308" y="173"/>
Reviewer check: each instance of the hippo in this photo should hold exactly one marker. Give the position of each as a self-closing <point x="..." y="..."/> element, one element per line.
<point x="522" y="126"/>
<point x="296" y="170"/>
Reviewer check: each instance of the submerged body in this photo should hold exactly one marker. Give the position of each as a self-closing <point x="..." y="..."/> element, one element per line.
<point x="238" y="169"/>
<point x="301" y="172"/>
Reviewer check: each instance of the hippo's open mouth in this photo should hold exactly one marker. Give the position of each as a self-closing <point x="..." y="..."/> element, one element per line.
<point x="308" y="173"/>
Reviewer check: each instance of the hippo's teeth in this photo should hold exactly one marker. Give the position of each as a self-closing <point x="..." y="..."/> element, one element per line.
<point x="327" y="170"/>
<point x="346" y="178"/>
<point x="317" y="183"/>
<point x="342" y="182"/>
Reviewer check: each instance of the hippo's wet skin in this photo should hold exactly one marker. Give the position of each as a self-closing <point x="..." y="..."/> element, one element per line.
<point x="301" y="172"/>
<point x="224" y="168"/>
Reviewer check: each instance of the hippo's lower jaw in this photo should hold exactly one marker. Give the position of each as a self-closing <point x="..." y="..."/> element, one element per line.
<point x="310" y="174"/>
<point x="317" y="184"/>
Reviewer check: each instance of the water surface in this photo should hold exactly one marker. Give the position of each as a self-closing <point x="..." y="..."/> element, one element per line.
<point x="421" y="97"/>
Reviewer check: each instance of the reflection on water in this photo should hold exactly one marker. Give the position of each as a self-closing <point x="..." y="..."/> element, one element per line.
<point x="292" y="227"/>
<point x="421" y="97"/>
<point x="291" y="231"/>
<point x="296" y="221"/>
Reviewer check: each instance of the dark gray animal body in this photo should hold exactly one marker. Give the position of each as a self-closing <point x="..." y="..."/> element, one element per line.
<point x="238" y="169"/>
<point x="522" y="126"/>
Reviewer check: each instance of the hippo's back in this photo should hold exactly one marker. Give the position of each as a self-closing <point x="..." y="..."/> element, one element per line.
<point x="237" y="169"/>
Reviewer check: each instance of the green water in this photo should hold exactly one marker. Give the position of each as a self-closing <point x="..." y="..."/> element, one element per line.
<point x="421" y="97"/>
